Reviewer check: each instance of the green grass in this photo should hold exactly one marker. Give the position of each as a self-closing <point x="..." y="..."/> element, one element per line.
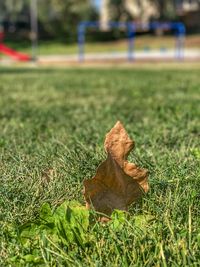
<point x="57" y="118"/>
<point x="141" y="42"/>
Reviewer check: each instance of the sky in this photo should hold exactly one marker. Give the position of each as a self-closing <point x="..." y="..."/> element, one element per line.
<point x="97" y="3"/>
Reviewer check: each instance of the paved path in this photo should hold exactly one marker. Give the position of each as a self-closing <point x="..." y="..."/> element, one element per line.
<point x="189" y="55"/>
<point x="139" y="55"/>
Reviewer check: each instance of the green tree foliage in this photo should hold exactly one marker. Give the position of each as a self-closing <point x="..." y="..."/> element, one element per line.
<point x="60" y="17"/>
<point x="118" y="11"/>
<point x="167" y="8"/>
<point x="57" y="17"/>
<point x="11" y="10"/>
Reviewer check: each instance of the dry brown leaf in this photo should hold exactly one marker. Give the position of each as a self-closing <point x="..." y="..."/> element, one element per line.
<point x="117" y="182"/>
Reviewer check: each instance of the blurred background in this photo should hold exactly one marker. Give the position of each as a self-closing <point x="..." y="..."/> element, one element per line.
<point x="49" y="27"/>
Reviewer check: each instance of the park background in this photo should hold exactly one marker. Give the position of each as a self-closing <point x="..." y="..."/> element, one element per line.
<point x="50" y="27"/>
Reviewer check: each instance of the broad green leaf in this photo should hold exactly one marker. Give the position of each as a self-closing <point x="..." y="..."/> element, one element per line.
<point x="46" y="213"/>
<point x="32" y="258"/>
<point x="72" y="221"/>
<point x="118" y="220"/>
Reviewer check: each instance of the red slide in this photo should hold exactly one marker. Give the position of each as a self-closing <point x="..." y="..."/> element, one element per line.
<point x="13" y="54"/>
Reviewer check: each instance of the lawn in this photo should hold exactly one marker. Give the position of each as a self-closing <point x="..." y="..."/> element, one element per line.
<point x="57" y="119"/>
<point x="146" y="42"/>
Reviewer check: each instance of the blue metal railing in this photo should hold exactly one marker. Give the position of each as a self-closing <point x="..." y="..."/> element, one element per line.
<point x="131" y="28"/>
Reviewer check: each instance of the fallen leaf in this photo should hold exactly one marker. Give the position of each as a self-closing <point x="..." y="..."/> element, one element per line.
<point x="117" y="182"/>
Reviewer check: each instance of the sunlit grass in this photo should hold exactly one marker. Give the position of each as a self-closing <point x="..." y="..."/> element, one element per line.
<point x="147" y="42"/>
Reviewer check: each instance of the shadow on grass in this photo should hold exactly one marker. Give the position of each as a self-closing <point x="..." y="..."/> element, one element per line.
<point x="8" y="70"/>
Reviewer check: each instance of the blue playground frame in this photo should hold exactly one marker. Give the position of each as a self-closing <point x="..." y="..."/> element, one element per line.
<point x="131" y="29"/>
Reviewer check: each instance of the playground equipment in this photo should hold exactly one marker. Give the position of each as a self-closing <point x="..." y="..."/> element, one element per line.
<point x="131" y="29"/>
<point x="11" y="52"/>
<point x="34" y="37"/>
